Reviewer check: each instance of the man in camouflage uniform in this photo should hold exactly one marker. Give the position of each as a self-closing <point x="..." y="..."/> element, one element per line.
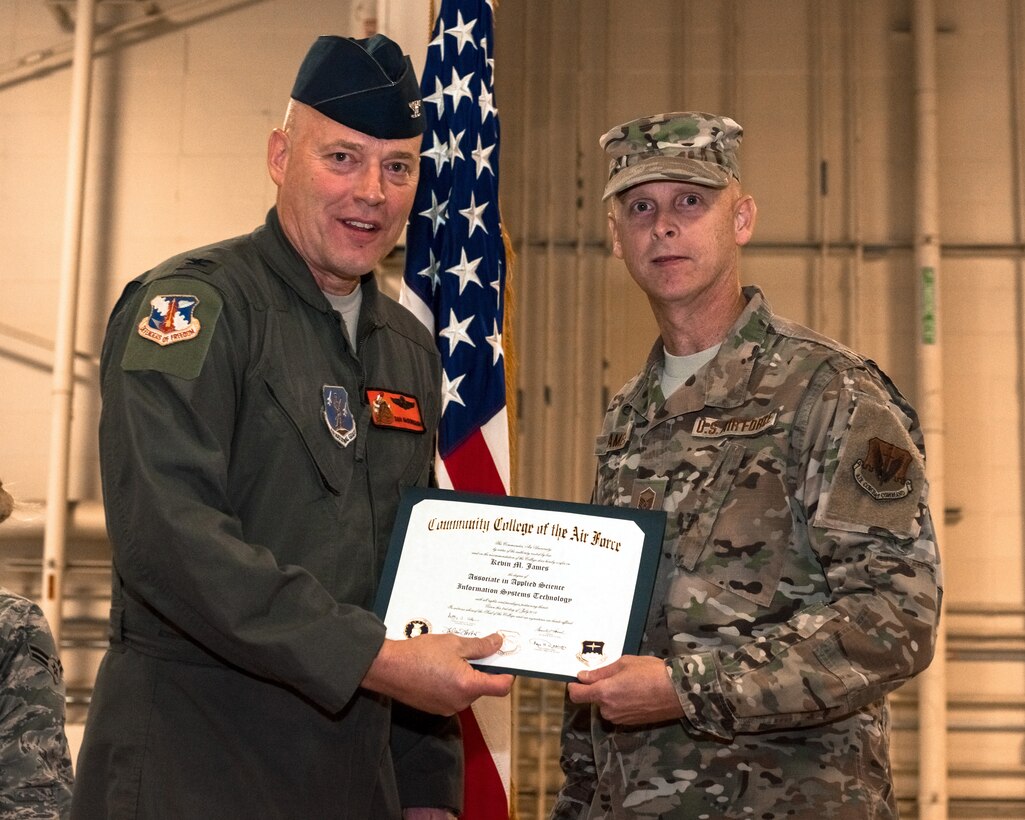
<point x="35" y="765"/>
<point x="799" y="579"/>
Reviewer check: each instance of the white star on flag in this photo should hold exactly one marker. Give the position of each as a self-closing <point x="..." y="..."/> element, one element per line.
<point x="466" y="270"/>
<point x="456" y="331"/>
<point x="486" y="101"/>
<point x="454" y="151"/>
<point x="450" y="391"/>
<point x="459" y="88"/>
<point x="438" y="153"/>
<point x="436" y="213"/>
<point x="481" y="156"/>
<point x="462" y="32"/>
<point x="474" y="213"/>
<point x="431" y="271"/>
<point x="437" y="99"/>
<point x="495" y="340"/>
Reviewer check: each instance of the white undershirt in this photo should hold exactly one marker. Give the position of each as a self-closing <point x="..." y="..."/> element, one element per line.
<point x="348" y="306"/>
<point x="677" y="369"/>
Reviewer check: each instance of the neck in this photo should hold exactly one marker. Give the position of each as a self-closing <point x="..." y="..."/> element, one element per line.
<point x="690" y="329"/>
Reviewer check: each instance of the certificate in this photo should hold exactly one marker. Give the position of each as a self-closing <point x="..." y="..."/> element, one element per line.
<point x="567" y="585"/>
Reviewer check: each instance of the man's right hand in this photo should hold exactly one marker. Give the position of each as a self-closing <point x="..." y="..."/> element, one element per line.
<point x="431" y="673"/>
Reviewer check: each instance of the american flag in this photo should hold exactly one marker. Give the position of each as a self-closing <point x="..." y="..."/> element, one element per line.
<point x="454" y="282"/>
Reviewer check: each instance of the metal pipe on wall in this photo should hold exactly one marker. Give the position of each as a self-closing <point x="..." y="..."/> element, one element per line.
<point x="551" y="480"/>
<point x="852" y="153"/>
<point x="522" y="268"/>
<point x="818" y="70"/>
<point x="1016" y="57"/>
<point x="932" y="695"/>
<point x="550" y="422"/>
<point x="55" y="536"/>
<point x="581" y="308"/>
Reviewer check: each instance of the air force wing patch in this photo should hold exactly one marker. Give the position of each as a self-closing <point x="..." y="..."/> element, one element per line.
<point x="171" y="319"/>
<point x="338" y="415"/>
<point x="172" y="310"/>
<point x="883" y="472"/>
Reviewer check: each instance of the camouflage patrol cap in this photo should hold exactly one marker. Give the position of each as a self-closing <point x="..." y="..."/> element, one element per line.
<point x="368" y="85"/>
<point x="689" y="146"/>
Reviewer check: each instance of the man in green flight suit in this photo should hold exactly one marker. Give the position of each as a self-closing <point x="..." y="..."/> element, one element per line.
<point x="250" y="493"/>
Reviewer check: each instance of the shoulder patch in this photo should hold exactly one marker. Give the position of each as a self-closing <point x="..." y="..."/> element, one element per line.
<point x="173" y="327"/>
<point x="51" y="663"/>
<point x="879" y="477"/>
<point x="171" y="319"/>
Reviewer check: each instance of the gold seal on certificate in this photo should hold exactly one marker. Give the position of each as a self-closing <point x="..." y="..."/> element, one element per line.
<point x="566" y="585"/>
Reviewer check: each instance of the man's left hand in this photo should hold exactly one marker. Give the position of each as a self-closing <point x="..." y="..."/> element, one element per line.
<point x="630" y="691"/>
<point x="427" y="814"/>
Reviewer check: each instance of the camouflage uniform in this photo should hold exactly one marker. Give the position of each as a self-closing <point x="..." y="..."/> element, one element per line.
<point x="799" y="583"/>
<point x="35" y="764"/>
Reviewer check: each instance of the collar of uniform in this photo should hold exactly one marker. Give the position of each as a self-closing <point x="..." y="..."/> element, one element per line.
<point x="726" y="377"/>
<point x="646" y="396"/>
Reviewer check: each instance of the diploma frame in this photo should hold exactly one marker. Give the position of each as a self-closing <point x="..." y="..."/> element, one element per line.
<point x="568" y="585"/>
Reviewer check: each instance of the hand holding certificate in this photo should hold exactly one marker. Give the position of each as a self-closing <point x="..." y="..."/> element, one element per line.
<point x="567" y="585"/>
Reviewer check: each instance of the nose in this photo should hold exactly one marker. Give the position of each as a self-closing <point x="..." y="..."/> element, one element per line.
<point x="664" y="227"/>
<point x="369" y="188"/>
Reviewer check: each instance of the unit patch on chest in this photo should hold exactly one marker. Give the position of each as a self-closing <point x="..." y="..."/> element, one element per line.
<point x="398" y="411"/>
<point x="338" y="415"/>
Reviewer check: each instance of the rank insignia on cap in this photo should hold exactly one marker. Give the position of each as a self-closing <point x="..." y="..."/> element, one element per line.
<point x="396" y="410"/>
<point x="883" y="472"/>
<point x="592" y="653"/>
<point x="171" y="319"/>
<point x="337" y="415"/>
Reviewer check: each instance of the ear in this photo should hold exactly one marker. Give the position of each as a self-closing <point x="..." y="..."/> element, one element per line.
<point x="744" y="213"/>
<point x="617" y="246"/>
<point x="277" y="155"/>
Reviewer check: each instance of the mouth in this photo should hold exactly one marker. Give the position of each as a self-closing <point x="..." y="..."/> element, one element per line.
<point x="666" y="260"/>
<point x="359" y="225"/>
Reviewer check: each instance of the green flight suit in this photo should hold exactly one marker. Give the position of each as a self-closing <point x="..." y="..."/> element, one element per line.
<point x="249" y="505"/>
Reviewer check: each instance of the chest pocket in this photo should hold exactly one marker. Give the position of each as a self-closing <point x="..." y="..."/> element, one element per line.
<point x="316" y="441"/>
<point x="736" y="534"/>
